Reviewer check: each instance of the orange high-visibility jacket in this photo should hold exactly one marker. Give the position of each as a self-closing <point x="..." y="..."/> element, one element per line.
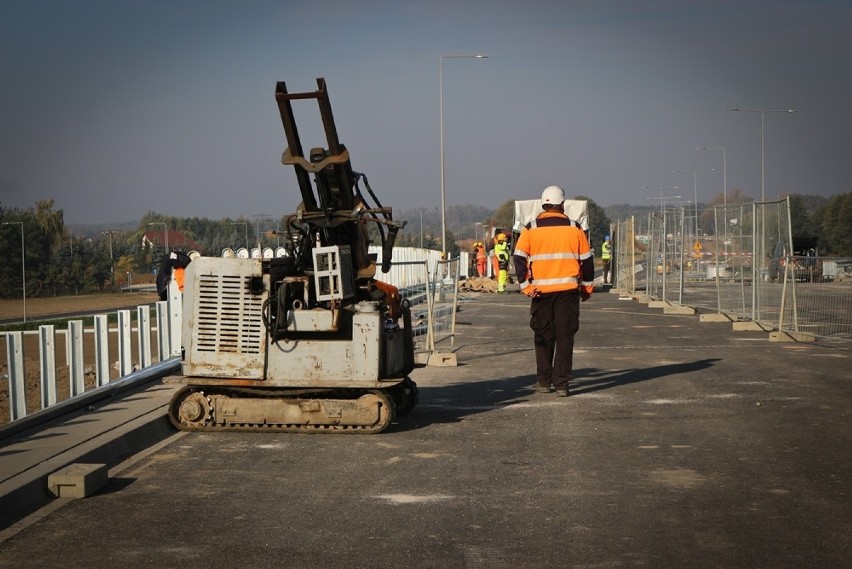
<point x="553" y="254"/>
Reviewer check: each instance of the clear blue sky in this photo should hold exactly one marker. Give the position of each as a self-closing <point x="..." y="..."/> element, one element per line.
<point x="117" y="107"/>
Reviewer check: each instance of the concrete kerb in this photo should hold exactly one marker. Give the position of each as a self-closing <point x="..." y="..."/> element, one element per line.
<point x="28" y="490"/>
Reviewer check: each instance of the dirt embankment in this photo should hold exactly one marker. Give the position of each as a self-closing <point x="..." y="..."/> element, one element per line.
<point x="38" y="307"/>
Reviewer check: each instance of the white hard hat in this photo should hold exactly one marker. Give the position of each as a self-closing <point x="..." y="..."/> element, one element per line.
<point x="552" y="195"/>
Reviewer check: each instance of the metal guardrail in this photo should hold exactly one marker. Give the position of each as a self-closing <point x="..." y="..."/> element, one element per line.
<point x="136" y="379"/>
<point x="167" y="333"/>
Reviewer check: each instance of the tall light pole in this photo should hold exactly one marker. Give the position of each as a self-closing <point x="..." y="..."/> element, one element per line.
<point x="111" y="232"/>
<point x="441" y="104"/>
<point x="695" y="186"/>
<point x="165" y="234"/>
<point x="662" y="198"/>
<point x="724" y="170"/>
<point x="762" y="116"/>
<point x="245" y="229"/>
<point x="421" y="225"/>
<point x="258" y="217"/>
<point x="23" y="265"/>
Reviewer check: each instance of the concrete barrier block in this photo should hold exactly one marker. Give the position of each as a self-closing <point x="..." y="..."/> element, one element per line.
<point x="749" y="326"/>
<point x="443" y="359"/>
<point x="714" y="318"/>
<point x="674" y="309"/>
<point x="78" y="480"/>
<point x="790" y="337"/>
<point x="421" y="358"/>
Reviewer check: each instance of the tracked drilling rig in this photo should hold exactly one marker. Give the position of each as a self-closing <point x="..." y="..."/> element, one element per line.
<point x="310" y="341"/>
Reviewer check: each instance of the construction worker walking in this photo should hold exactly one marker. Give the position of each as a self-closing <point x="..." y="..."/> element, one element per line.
<point x="481" y="258"/>
<point x="501" y="252"/>
<point x="606" y="257"/>
<point x="554" y="263"/>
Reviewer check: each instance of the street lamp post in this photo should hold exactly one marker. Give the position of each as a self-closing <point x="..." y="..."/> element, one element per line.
<point x="165" y="234"/>
<point x="421" y="226"/>
<point x="724" y="170"/>
<point x="110" y="233"/>
<point x="762" y="116"/>
<point x="662" y="198"/>
<point x="441" y="105"/>
<point x="695" y="187"/>
<point x="258" y="218"/>
<point x="23" y="265"/>
<point x="245" y="229"/>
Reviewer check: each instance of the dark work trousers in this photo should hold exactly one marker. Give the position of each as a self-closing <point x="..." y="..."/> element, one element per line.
<point x="555" y="320"/>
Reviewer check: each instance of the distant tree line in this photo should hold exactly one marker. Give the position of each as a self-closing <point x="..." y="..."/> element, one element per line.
<point x="89" y="259"/>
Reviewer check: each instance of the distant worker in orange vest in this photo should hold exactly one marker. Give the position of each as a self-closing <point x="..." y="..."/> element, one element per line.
<point x="172" y="267"/>
<point x="554" y="263"/>
<point x="481" y="258"/>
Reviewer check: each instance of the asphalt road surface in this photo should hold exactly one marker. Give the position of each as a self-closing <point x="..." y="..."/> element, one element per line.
<point x="684" y="444"/>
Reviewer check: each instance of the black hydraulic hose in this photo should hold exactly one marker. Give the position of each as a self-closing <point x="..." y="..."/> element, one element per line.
<point x="370" y="190"/>
<point x="384" y="240"/>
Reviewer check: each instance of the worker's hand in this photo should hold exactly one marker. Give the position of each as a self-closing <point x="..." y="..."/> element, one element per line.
<point x="584" y="295"/>
<point x="531" y="292"/>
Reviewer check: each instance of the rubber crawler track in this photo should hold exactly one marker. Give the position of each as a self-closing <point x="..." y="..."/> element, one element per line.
<point x="208" y="424"/>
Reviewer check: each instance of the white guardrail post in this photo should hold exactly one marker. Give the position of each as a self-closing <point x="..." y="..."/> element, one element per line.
<point x="15" y="355"/>
<point x="47" y="364"/>
<point x="101" y="349"/>
<point x="74" y="341"/>
<point x="143" y="335"/>
<point x="164" y="348"/>
<point x="125" y="358"/>
<point x="175" y="301"/>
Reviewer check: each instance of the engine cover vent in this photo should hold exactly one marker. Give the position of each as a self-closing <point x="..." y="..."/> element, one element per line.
<point x="228" y="317"/>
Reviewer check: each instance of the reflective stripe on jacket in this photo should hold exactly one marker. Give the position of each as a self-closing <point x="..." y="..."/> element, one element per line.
<point x="553" y="255"/>
<point x="501" y="251"/>
<point x="606" y="250"/>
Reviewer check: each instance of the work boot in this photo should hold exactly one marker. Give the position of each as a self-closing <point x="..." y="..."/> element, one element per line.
<point x="539" y="388"/>
<point x="562" y="391"/>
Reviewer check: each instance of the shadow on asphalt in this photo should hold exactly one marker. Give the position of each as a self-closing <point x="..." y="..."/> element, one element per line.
<point x="116" y="484"/>
<point x="452" y="403"/>
<point x="589" y="380"/>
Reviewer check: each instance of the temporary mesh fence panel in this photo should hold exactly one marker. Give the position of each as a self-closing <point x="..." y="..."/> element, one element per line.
<point x="415" y="295"/>
<point x="823" y="297"/>
<point x="667" y="242"/>
<point x="734" y="226"/>
<point x="774" y="285"/>
<point x="625" y="266"/>
<point x="445" y="292"/>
